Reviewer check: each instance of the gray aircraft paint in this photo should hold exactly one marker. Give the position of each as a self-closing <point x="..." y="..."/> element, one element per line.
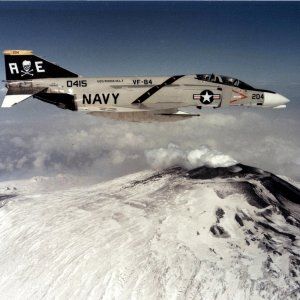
<point x="126" y="96"/>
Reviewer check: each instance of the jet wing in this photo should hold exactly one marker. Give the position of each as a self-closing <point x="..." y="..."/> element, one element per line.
<point x="162" y="115"/>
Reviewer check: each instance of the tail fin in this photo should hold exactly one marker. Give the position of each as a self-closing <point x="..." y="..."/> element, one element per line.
<point x="24" y="65"/>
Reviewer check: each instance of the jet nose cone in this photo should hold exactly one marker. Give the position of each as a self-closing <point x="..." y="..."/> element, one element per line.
<point x="273" y="100"/>
<point x="283" y="100"/>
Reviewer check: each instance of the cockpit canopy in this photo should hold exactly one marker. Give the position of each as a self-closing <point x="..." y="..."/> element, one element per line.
<point x="225" y="80"/>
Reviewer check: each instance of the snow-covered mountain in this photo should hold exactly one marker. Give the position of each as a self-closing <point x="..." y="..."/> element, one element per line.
<point x="210" y="233"/>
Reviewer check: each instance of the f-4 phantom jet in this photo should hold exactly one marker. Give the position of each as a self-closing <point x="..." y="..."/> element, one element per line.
<point x="140" y="99"/>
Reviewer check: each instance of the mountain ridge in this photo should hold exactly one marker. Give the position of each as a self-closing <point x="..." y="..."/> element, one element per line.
<point x="204" y="234"/>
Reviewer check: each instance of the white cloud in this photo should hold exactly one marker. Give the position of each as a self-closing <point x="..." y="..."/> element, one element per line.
<point x="174" y="156"/>
<point x="49" y="141"/>
<point x="211" y="158"/>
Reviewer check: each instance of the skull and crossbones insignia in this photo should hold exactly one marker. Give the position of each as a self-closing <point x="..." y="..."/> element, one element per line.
<point x="26" y="64"/>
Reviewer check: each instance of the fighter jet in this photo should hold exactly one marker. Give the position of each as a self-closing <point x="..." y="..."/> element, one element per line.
<point x="139" y="98"/>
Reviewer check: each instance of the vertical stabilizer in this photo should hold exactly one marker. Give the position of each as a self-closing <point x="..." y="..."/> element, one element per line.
<point x="24" y="65"/>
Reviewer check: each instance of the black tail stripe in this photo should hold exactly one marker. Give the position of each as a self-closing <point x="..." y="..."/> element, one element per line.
<point x="156" y="88"/>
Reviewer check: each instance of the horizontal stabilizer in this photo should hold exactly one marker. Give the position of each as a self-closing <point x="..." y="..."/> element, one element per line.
<point x="11" y="100"/>
<point x="19" y="92"/>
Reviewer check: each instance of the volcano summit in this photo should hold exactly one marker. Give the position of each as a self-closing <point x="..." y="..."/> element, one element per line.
<point x="210" y="233"/>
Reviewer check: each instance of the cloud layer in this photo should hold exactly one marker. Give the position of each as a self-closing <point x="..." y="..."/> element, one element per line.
<point x="38" y="139"/>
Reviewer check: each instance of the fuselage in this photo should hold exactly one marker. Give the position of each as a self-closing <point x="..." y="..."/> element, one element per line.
<point x="149" y="92"/>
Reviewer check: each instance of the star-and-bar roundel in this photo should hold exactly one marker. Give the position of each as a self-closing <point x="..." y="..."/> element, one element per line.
<point x="206" y="97"/>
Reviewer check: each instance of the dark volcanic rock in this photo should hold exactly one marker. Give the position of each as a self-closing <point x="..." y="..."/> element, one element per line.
<point x="219" y="231"/>
<point x="278" y="187"/>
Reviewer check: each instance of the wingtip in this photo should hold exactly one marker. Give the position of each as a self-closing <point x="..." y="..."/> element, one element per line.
<point x="17" y="52"/>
